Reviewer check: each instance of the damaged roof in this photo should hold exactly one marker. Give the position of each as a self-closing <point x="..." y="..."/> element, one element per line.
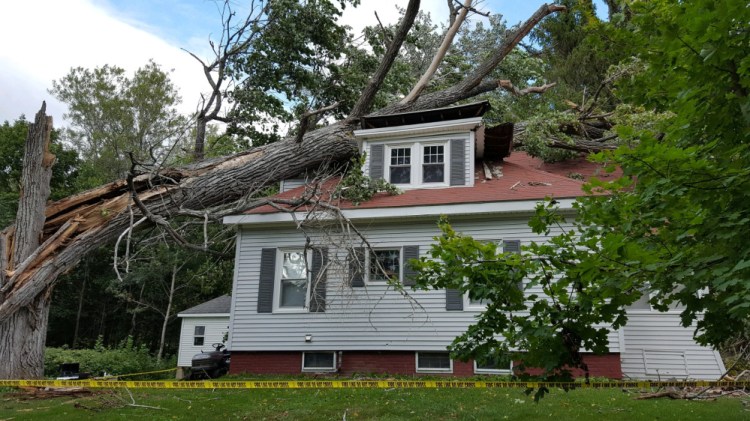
<point x="516" y="178"/>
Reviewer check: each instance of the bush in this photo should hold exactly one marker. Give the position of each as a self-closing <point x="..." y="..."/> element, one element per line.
<point x="126" y="358"/>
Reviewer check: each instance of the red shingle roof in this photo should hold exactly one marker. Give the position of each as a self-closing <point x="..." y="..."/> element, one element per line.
<point x="523" y="178"/>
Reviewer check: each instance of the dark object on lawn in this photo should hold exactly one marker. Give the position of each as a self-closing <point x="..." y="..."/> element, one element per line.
<point x="210" y="365"/>
<point x="72" y="371"/>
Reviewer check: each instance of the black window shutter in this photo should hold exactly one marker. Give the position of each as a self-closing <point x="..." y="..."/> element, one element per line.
<point x="266" y="281"/>
<point x="513" y="246"/>
<point x="458" y="162"/>
<point x="377" y="160"/>
<point x="454" y="300"/>
<point x="318" y="274"/>
<point x="410" y="252"/>
<point x="357" y="266"/>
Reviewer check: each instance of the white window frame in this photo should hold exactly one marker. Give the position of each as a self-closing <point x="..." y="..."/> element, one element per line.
<point x="196" y="336"/>
<point x="478" y="370"/>
<point x="368" y="264"/>
<point x="432" y="370"/>
<point x="277" y="282"/>
<point x="417" y="158"/>
<point x="319" y="369"/>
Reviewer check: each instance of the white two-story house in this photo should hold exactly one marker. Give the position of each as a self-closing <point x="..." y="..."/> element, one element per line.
<point x="308" y="295"/>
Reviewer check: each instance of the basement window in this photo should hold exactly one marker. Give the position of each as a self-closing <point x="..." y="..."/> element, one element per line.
<point x="318" y="361"/>
<point x="498" y="364"/>
<point x="434" y="362"/>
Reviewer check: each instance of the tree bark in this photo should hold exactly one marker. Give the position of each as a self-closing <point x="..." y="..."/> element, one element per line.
<point x="81" y="295"/>
<point x="167" y="313"/>
<point x="22" y="334"/>
<point x="80" y="224"/>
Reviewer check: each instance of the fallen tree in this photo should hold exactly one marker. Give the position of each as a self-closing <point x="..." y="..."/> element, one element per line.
<point x="51" y="240"/>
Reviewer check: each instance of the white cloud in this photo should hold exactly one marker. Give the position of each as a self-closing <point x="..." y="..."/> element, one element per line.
<point x="52" y="36"/>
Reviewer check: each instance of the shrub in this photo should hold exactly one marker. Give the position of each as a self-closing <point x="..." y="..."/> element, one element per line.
<point x="126" y="358"/>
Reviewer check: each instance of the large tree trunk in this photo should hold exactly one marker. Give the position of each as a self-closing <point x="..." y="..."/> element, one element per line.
<point x="79" y="224"/>
<point x="22" y="334"/>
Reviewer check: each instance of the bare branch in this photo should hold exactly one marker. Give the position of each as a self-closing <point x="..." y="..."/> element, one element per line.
<point x="305" y="123"/>
<point x="386" y="36"/>
<point x="456" y="23"/>
<point x="368" y="94"/>
<point x="511" y="40"/>
<point x="508" y="86"/>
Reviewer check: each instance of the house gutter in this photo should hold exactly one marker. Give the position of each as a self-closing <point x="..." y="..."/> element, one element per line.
<point x="515" y="207"/>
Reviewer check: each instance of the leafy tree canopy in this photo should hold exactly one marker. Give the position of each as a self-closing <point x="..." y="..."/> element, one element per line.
<point x="112" y="114"/>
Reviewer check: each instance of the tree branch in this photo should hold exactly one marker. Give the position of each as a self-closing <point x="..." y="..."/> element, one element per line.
<point x="508" y="86"/>
<point x="368" y="95"/>
<point x="305" y="123"/>
<point x="439" y="55"/>
<point x="512" y="38"/>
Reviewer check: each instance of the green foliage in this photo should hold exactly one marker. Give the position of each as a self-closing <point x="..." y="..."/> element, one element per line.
<point x="549" y="330"/>
<point x="136" y="306"/>
<point x="358" y="188"/>
<point x="112" y="114"/>
<point x="65" y="171"/>
<point x="125" y="358"/>
<point x="687" y="211"/>
<point x="287" y="67"/>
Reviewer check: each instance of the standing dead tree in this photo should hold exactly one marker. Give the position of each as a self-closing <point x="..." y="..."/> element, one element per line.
<point x="233" y="41"/>
<point x="20" y="246"/>
<point x="74" y="226"/>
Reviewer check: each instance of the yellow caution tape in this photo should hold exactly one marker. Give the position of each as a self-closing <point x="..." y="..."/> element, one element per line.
<point x="358" y="384"/>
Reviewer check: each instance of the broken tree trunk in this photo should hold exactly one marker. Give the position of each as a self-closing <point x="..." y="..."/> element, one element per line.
<point x="22" y="334"/>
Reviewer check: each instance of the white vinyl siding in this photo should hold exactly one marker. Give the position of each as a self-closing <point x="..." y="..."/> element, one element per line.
<point x="656" y="347"/>
<point x="372" y="317"/>
<point x="215" y="329"/>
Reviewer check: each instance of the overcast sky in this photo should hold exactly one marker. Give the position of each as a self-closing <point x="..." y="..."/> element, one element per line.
<point x="44" y="39"/>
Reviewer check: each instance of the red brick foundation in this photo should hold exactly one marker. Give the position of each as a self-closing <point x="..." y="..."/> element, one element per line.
<point x="266" y="362"/>
<point x="607" y="365"/>
<point x="387" y="362"/>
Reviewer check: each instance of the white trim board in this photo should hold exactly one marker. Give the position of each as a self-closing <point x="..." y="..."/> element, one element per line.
<point x="442" y="127"/>
<point x="516" y="206"/>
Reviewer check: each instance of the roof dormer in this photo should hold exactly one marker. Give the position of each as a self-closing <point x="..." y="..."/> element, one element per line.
<point x="427" y="149"/>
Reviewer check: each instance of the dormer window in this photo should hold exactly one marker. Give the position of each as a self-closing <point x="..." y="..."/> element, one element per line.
<point x="400" y="168"/>
<point x="431" y="154"/>
<point x="417" y="164"/>
<point x="433" y="164"/>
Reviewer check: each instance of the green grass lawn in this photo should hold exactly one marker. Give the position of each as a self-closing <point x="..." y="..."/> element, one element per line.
<point x="363" y="404"/>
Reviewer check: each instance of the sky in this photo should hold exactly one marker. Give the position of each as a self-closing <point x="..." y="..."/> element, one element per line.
<point x="44" y="39"/>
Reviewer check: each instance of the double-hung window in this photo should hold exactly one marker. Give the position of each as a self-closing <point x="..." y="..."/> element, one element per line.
<point x="433" y="163"/>
<point x="418" y="164"/>
<point x="384" y="264"/>
<point x="399" y="169"/>
<point x="292" y="280"/>
<point x="199" y="335"/>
